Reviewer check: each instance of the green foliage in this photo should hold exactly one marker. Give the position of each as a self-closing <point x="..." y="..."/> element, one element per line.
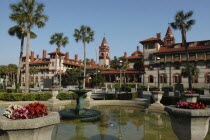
<point x="43" y="96"/>
<point x="205" y="101"/>
<point x="97" y="79"/>
<point x="1" y="95"/>
<point x="199" y="90"/>
<point x="13" y="96"/>
<point x="123" y="96"/>
<point x="31" y="85"/>
<point x="70" y="77"/>
<point x="29" y="97"/>
<point x="170" y="100"/>
<point x="2" y="90"/>
<point x="66" y="96"/>
<point x="170" y="88"/>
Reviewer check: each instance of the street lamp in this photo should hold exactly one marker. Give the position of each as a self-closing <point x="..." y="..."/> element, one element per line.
<point x="120" y="74"/>
<point x="158" y="62"/>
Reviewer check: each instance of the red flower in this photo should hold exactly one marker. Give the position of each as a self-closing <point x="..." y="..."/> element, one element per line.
<point x="156" y="89"/>
<point x="53" y="87"/>
<point x="190" y="92"/>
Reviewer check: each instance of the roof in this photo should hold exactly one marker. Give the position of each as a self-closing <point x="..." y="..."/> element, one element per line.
<point x="118" y="72"/>
<point x="169" y="32"/>
<point x="40" y="62"/>
<point x="166" y="49"/>
<point x="138" y="52"/>
<point x="58" y="52"/>
<point x="132" y="57"/>
<point x="104" y="43"/>
<point x="150" y="39"/>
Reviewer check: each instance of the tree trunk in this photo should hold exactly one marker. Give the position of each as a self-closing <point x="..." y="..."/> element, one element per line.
<point x="27" y="62"/>
<point x="187" y="54"/>
<point x="60" y="69"/>
<point x="84" y="65"/>
<point x="20" y="59"/>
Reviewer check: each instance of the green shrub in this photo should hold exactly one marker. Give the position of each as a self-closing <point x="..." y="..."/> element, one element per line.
<point x="110" y="96"/>
<point x="43" y="96"/>
<point x="2" y="90"/>
<point x="13" y="96"/>
<point x="170" y="100"/>
<point x="31" y="85"/>
<point x="199" y="90"/>
<point x="170" y="88"/>
<point x="1" y="95"/>
<point x="123" y="96"/>
<point x="29" y="97"/>
<point x="66" y="96"/>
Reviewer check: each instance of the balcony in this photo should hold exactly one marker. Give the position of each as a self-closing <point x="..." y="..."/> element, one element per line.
<point x="43" y="67"/>
<point x="207" y="57"/>
<point x="169" y="59"/>
<point x="176" y="58"/>
<point x="201" y="57"/>
<point x="192" y="58"/>
<point x="184" y="58"/>
<point x="162" y="59"/>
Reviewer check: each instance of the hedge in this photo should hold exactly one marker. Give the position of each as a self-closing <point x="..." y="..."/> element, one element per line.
<point x="66" y="96"/>
<point x="123" y="96"/>
<point x="39" y="96"/>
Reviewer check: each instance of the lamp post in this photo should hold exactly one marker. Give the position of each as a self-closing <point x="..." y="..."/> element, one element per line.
<point x="120" y="74"/>
<point x="158" y="62"/>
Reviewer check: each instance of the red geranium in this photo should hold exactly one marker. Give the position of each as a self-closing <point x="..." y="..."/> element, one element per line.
<point x="190" y="105"/>
<point x="53" y="87"/>
<point x="36" y="110"/>
<point x="190" y="92"/>
<point x="156" y="89"/>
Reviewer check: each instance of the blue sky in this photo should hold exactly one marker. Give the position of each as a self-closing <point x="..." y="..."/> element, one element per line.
<point x="124" y="23"/>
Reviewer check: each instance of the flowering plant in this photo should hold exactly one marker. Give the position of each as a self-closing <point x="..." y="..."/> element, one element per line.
<point x="30" y="111"/>
<point x="156" y="89"/>
<point x="190" y="92"/>
<point x="190" y="105"/>
<point x="53" y="87"/>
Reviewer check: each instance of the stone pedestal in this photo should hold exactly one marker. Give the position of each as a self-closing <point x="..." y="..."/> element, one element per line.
<point x="189" y="97"/>
<point x="54" y="93"/>
<point x="28" y="129"/>
<point x="157" y="96"/>
<point x="189" y="124"/>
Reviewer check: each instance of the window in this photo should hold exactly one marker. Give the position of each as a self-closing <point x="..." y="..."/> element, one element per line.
<point x="32" y="79"/>
<point x="150" y="67"/>
<point x="207" y="78"/>
<point x="42" y="78"/>
<point x="150" y="46"/>
<point x="52" y="63"/>
<point x="177" y="78"/>
<point x="150" y="79"/>
<point x="208" y="64"/>
<point x="176" y="66"/>
<point x="162" y="66"/>
<point x="163" y="78"/>
<point x="36" y="79"/>
<point x="192" y="54"/>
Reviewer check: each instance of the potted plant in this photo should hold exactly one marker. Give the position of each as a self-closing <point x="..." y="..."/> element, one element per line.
<point x="189" y="96"/>
<point x="157" y="95"/>
<point x="189" y="120"/>
<point x="28" y="122"/>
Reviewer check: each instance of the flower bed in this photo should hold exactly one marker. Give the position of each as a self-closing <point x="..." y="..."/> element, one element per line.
<point x="190" y="92"/>
<point x="190" y="105"/>
<point x="156" y="90"/>
<point x="30" y="111"/>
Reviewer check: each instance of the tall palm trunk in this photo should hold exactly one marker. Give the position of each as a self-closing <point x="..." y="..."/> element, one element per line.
<point x="187" y="54"/>
<point x="60" y="68"/>
<point x="84" y="64"/>
<point x="20" y="62"/>
<point x="27" y="62"/>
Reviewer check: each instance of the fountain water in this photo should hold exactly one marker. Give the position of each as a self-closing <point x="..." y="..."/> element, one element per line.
<point x="80" y="112"/>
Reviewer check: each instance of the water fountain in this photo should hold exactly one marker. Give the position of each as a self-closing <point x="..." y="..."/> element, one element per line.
<point x="80" y="112"/>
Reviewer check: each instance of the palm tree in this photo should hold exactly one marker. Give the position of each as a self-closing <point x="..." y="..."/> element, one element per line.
<point x="33" y="70"/>
<point x="59" y="40"/>
<point x="86" y="35"/>
<point x="20" y="32"/>
<point x="30" y="13"/>
<point x="184" y="23"/>
<point x="193" y="71"/>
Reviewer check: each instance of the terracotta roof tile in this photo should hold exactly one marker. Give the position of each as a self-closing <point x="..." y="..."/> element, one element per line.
<point x="150" y="39"/>
<point x="132" y="57"/>
<point x="40" y="62"/>
<point x="57" y="53"/>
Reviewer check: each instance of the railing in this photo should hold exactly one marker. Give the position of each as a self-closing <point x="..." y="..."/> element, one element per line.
<point x="168" y="59"/>
<point x="184" y="58"/>
<point x="162" y="59"/>
<point x="200" y="57"/>
<point x="208" y="57"/>
<point x="45" y="67"/>
<point x="192" y="58"/>
<point x="176" y="58"/>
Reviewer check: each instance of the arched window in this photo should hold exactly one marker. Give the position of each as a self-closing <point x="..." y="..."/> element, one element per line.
<point x="23" y="80"/>
<point x="42" y="78"/>
<point x="36" y="79"/>
<point x="207" y="77"/>
<point x="31" y="79"/>
<point x="150" y="79"/>
<point x="163" y="78"/>
<point x="194" y="79"/>
<point x="177" y="78"/>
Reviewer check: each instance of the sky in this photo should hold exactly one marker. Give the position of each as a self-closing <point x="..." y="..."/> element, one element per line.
<point x="123" y="22"/>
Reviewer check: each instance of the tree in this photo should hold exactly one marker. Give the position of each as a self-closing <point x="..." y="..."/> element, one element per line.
<point x="20" y="32"/>
<point x="70" y="76"/>
<point x="59" y="40"/>
<point x="115" y="63"/>
<point x="184" y="23"/>
<point x="30" y="13"/>
<point x="33" y="70"/>
<point x="12" y="71"/>
<point x="86" y="35"/>
<point x="193" y="70"/>
<point x="97" y="79"/>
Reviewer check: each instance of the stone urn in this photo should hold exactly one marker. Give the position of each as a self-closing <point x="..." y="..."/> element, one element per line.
<point x="157" y="96"/>
<point x="189" y="124"/>
<point x="189" y="97"/>
<point x="54" y="93"/>
<point x="28" y="129"/>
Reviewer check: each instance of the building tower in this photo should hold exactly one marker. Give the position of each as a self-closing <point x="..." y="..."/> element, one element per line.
<point x="169" y="37"/>
<point x="104" y="56"/>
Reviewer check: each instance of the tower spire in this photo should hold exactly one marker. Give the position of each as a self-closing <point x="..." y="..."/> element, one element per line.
<point x="169" y="37"/>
